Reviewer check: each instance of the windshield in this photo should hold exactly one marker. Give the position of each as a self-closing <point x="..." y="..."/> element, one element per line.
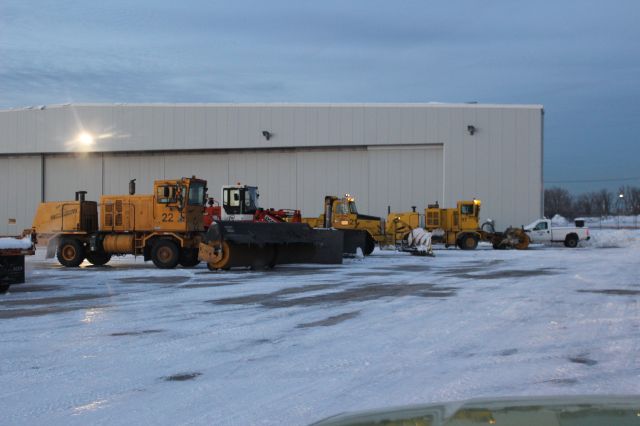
<point x="532" y="225"/>
<point x="541" y="226"/>
<point x="250" y="199"/>
<point x="467" y="209"/>
<point x="196" y="194"/>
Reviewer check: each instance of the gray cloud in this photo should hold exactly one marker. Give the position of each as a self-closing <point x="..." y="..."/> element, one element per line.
<point x="581" y="59"/>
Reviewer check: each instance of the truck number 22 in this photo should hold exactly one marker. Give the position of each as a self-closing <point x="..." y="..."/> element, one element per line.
<point x="167" y="217"/>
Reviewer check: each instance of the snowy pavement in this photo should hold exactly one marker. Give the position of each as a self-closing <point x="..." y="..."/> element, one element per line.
<point x="131" y="344"/>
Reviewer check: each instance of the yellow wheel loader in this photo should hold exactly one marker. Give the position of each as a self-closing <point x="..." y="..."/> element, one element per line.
<point x="366" y="231"/>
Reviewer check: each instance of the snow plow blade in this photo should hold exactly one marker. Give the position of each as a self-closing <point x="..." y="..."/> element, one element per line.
<point x="258" y="245"/>
<point x="510" y="238"/>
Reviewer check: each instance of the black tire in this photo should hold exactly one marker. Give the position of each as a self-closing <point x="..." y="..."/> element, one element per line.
<point x="4" y="288"/>
<point x="369" y="246"/>
<point x="165" y="254"/>
<point x="70" y="253"/>
<point x="468" y="242"/>
<point x="571" y="241"/>
<point x="98" y="258"/>
<point x="189" y="257"/>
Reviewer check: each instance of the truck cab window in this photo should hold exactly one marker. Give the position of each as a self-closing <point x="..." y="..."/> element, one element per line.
<point x="467" y="209"/>
<point x="541" y="226"/>
<point x="251" y="199"/>
<point x="166" y="194"/>
<point x="234" y="198"/>
<point x="196" y="194"/>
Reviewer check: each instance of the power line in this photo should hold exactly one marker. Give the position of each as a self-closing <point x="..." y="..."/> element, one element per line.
<point x="593" y="180"/>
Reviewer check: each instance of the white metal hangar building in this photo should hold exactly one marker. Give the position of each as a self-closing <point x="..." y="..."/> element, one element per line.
<point x="397" y="155"/>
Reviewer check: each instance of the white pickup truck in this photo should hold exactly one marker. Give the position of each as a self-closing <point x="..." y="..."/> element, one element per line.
<point x="541" y="231"/>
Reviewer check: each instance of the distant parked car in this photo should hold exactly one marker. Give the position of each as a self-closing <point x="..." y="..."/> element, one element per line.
<point x="541" y="231"/>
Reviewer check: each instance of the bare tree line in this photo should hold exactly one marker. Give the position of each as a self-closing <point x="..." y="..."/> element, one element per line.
<point x="592" y="204"/>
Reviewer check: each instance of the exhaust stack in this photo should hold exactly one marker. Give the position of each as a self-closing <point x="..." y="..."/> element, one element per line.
<point x="80" y="196"/>
<point x="132" y="187"/>
<point x="328" y="205"/>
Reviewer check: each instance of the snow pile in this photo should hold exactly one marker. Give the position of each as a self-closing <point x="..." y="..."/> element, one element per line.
<point x="558" y="220"/>
<point x="15" y="243"/>
<point x="359" y="254"/>
<point x="615" y="238"/>
<point x="418" y="237"/>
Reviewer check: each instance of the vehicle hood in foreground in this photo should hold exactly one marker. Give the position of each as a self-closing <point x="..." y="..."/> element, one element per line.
<point x="520" y="411"/>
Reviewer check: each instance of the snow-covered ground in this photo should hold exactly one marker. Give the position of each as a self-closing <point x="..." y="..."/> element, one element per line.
<point x="131" y="344"/>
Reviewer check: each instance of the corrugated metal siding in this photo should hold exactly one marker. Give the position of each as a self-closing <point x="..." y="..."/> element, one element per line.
<point x="331" y="172"/>
<point x="182" y="127"/>
<point x="64" y="175"/>
<point x="19" y="192"/>
<point x="315" y="150"/>
<point x="402" y="177"/>
<point x="119" y="169"/>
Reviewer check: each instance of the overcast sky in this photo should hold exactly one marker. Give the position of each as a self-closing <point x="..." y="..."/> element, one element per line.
<point x="580" y="59"/>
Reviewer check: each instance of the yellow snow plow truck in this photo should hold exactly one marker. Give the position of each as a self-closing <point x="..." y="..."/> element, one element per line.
<point x="460" y="227"/>
<point x="165" y="226"/>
